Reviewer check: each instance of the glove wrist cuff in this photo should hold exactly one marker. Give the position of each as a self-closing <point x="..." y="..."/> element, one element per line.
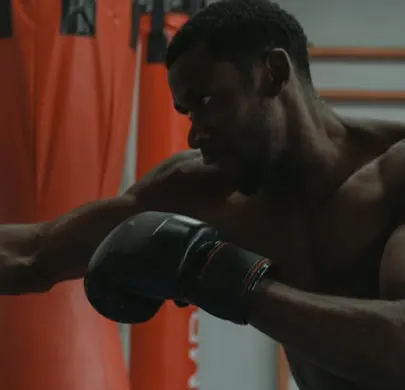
<point x="226" y="278"/>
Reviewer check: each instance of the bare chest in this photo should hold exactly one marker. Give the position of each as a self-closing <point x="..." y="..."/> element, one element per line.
<point x="335" y="249"/>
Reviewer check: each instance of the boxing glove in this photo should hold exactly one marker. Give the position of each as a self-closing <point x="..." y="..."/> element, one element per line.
<point x="164" y="256"/>
<point x="113" y="302"/>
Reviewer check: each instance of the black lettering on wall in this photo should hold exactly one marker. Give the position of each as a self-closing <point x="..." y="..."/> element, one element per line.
<point x="78" y="17"/>
<point x="6" y="30"/>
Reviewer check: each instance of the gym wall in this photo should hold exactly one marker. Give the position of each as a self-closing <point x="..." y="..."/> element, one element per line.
<point x="238" y="358"/>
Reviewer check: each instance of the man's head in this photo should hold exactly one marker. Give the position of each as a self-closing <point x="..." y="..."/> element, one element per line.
<point x="232" y="69"/>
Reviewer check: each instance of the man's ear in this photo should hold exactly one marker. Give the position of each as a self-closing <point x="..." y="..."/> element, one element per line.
<point x="277" y="71"/>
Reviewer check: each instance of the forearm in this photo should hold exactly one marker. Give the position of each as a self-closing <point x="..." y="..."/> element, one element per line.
<point x="83" y="229"/>
<point x="33" y="258"/>
<point x="19" y="245"/>
<point x="356" y="339"/>
<point x="70" y="241"/>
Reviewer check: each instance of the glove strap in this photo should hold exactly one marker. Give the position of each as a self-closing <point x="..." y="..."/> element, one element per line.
<point x="227" y="275"/>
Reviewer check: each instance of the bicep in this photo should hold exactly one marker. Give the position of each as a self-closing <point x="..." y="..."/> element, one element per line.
<point x="150" y="192"/>
<point x="392" y="268"/>
<point x="160" y="190"/>
<point x="182" y="161"/>
<point x="182" y="184"/>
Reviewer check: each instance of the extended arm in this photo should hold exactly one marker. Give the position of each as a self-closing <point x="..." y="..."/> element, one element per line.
<point x="18" y="246"/>
<point x="361" y="340"/>
<point x="35" y="257"/>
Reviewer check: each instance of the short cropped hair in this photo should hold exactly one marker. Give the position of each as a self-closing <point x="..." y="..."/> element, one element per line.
<point x="239" y="31"/>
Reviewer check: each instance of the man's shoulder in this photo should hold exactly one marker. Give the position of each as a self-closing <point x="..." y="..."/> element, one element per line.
<point x="392" y="164"/>
<point x="186" y="165"/>
<point x="382" y="144"/>
<point x="184" y="161"/>
<point x="392" y="174"/>
<point x="381" y="131"/>
<point x="382" y="169"/>
<point x="183" y="173"/>
<point x="392" y="171"/>
<point x="394" y="158"/>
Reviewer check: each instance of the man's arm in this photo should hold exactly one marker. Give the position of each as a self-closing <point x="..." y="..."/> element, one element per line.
<point x="360" y="340"/>
<point x="18" y="245"/>
<point x="35" y="257"/>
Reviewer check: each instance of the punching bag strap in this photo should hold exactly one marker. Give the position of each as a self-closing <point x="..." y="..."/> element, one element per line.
<point x="192" y="6"/>
<point x="6" y="30"/>
<point x="157" y="40"/>
<point x="135" y="23"/>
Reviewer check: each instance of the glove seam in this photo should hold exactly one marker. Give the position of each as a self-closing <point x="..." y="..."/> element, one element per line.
<point x="210" y="257"/>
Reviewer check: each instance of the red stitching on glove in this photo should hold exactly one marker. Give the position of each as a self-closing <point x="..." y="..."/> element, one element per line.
<point x="211" y="255"/>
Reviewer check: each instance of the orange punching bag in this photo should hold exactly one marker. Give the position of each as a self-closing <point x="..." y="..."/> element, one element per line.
<point x="163" y="350"/>
<point x="66" y="76"/>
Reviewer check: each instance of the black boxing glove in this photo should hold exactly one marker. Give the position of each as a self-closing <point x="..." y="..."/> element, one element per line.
<point x="115" y="303"/>
<point x="168" y="256"/>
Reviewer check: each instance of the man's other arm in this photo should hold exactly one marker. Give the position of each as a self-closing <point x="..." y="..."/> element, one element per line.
<point x="358" y="339"/>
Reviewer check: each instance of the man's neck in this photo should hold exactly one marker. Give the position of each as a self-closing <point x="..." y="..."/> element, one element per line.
<point x="316" y="158"/>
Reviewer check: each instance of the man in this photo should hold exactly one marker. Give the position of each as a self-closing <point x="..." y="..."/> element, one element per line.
<point x="277" y="172"/>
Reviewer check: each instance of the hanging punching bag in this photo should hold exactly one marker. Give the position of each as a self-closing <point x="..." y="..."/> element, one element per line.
<point x="163" y="350"/>
<point x="66" y="76"/>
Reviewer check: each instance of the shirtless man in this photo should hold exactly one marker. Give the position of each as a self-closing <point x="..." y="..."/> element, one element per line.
<point x="276" y="172"/>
